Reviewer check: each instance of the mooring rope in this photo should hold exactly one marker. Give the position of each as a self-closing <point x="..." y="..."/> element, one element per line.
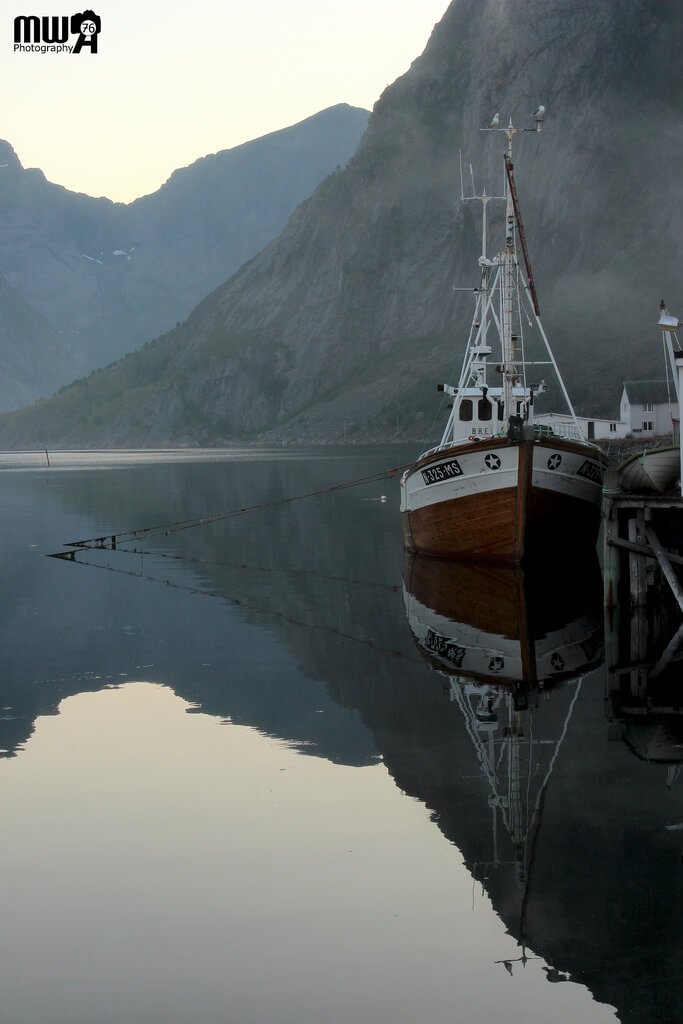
<point x="250" y="567"/>
<point x="241" y="603"/>
<point x="112" y="540"/>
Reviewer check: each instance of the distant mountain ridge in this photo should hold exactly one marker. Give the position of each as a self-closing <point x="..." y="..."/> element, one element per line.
<point x="343" y="325"/>
<point x="107" y="276"/>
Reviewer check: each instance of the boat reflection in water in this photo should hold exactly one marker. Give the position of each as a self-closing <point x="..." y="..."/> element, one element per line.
<point x="515" y="653"/>
<point x="502" y="626"/>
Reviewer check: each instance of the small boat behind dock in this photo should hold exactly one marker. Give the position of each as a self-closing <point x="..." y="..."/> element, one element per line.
<point x="652" y="470"/>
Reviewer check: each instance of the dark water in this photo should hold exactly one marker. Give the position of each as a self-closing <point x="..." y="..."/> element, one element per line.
<point x="267" y="771"/>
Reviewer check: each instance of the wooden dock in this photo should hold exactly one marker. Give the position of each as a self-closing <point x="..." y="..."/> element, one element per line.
<point x="640" y="530"/>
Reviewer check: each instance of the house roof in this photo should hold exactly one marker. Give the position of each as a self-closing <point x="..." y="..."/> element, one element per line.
<point x="655" y="391"/>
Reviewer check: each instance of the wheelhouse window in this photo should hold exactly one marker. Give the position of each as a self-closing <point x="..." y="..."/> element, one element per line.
<point x="466" y="410"/>
<point x="484" y="409"/>
<point x="501" y="410"/>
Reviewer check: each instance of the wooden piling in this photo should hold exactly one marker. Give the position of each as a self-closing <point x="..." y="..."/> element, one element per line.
<point x="666" y="566"/>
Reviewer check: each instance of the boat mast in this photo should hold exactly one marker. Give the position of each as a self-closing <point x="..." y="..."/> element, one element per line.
<point x="509" y="287"/>
<point x="502" y="295"/>
<point x="508" y="292"/>
<point x="507" y="262"/>
<point x="509" y="167"/>
<point x="483" y="260"/>
<point x="477" y="349"/>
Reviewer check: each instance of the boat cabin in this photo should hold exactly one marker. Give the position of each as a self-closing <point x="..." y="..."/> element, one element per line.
<point x="480" y="412"/>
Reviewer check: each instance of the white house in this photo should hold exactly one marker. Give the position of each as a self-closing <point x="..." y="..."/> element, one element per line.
<point x="592" y="427"/>
<point x="649" y="407"/>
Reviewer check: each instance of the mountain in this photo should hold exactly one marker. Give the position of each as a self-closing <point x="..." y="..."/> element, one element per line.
<point x="343" y="325"/>
<point x="108" y="276"/>
<point x="32" y="355"/>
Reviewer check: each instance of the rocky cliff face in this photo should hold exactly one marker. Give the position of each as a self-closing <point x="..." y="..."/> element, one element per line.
<point x="108" y="277"/>
<point x="32" y="354"/>
<point x="342" y="326"/>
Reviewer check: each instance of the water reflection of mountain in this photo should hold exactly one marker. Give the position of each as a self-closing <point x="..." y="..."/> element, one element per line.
<point x="321" y="626"/>
<point x="293" y="572"/>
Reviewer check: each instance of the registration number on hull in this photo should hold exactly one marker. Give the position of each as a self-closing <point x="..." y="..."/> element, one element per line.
<point x="591" y="471"/>
<point x="444" y="471"/>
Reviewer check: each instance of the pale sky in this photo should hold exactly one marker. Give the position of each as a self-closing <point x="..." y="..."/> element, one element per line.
<point x="174" y="81"/>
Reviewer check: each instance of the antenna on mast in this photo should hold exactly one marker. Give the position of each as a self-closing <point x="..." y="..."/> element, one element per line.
<point x="539" y="116"/>
<point x="495" y="126"/>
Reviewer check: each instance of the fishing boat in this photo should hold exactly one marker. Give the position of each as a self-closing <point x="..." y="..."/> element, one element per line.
<point x="499" y="487"/>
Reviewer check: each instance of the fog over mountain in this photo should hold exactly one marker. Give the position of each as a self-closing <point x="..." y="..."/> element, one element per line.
<point x="107" y="277"/>
<point x="342" y="326"/>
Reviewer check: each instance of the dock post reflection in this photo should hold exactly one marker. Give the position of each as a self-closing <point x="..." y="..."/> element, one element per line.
<point x="643" y="625"/>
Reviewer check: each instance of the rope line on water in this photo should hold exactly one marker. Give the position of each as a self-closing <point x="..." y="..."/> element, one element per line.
<point x="248" y="567"/>
<point x="112" y="540"/>
<point x="247" y="605"/>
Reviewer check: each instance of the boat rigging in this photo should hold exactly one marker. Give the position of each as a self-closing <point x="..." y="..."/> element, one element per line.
<point x="497" y="485"/>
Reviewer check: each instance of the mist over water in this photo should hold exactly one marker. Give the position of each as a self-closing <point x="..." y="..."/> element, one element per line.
<point x="246" y="775"/>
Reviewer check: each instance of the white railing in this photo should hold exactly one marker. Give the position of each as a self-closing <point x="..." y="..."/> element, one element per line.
<point x="568" y="429"/>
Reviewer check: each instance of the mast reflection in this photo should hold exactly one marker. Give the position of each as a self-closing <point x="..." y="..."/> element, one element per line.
<point x="514" y="653"/>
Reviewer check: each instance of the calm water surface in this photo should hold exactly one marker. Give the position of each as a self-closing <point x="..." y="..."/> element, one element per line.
<point x="263" y="770"/>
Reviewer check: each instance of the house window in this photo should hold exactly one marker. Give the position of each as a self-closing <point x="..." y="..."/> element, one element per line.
<point x="612" y="428"/>
<point x="647" y="406"/>
<point x="648" y="425"/>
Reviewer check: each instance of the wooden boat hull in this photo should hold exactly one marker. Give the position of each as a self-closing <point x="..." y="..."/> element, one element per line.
<point x="494" y="500"/>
